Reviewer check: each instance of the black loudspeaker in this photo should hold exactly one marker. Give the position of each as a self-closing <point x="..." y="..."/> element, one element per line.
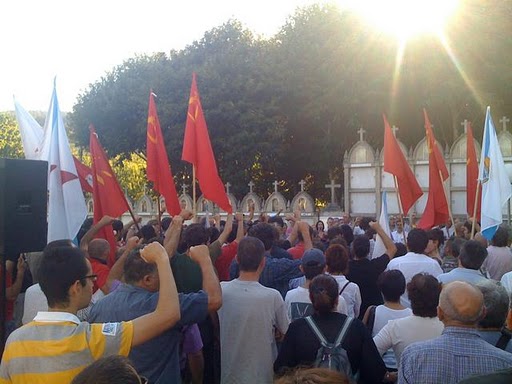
<point x="23" y="206"/>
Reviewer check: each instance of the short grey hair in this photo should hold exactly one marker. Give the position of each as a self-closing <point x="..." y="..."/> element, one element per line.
<point x="496" y="302"/>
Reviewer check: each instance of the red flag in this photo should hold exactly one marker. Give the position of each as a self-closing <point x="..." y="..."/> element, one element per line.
<point x="396" y="164"/>
<point x="197" y="150"/>
<point x="158" y="169"/>
<point x="108" y="197"/>
<point x="84" y="175"/>
<point x="436" y="211"/>
<point x="472" y="175"/>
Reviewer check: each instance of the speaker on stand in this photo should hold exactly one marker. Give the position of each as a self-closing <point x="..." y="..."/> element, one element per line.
<point x="23" y="217"/>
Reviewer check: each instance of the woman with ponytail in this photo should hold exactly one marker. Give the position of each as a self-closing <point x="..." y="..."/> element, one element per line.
<point x="300" y="344"/>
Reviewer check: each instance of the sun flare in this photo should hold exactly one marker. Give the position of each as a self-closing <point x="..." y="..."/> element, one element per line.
<point x="405" y="18"/>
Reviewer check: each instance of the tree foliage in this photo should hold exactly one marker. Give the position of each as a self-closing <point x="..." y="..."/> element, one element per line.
<point x="10" y="139"/>
<point x="288" y="108"/>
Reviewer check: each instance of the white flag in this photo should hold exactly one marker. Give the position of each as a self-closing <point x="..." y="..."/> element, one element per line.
<point x="31" y="133"/>
<point x="496" y="188"/>
<point x="66" y="203"/>
<point x="379" y="248"/>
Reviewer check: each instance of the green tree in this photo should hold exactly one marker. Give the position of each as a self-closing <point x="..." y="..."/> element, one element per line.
<point x="288" y="108"/>
<point x="10" y="139"/>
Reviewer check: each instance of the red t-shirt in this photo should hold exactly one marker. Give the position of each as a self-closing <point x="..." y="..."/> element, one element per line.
<point x="297" y="251"/>
<point x="228" y="253"/>
<point x="102" y="271"/>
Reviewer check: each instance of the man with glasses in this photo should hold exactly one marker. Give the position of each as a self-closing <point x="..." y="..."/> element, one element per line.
<point x="56" y="346"/>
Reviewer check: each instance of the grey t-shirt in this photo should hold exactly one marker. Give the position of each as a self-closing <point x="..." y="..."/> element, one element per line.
<point x="248" y="316"/>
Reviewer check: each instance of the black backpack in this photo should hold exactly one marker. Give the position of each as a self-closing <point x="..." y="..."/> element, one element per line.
<point x="332" y="355"/>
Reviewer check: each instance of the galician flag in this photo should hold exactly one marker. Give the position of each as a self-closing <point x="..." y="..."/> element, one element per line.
<point x="492" y="175"/>
<point x="66" y="204"/>
<point x="379" y="249"/>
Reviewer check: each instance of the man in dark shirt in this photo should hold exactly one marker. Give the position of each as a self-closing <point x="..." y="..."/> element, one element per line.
<point x="364" y="272"/>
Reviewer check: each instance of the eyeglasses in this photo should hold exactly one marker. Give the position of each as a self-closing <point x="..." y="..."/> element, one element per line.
<point x="92" y="277"/>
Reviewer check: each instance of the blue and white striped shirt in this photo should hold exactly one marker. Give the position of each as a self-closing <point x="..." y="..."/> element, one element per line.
<point x="456" y="354"/>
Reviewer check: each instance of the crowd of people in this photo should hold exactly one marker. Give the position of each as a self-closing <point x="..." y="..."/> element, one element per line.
<point x="266" y="300"/>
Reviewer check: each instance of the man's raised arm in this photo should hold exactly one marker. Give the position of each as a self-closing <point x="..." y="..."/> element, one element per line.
<point x="89" y="235"/>
<point x="211" y="285"/>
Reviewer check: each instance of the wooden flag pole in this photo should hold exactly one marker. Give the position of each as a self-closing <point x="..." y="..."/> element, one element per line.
<point x="133" y="217"/>
<point x="475" y="206"/>
<point x="446" y="197"/>
<point x="194" y="207"/>
<point x="400" y="208"/>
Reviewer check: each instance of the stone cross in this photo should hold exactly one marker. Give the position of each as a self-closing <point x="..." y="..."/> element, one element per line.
<point x="227" y="185"/>
<point x="184" y="189"/>
<point x="465" y="125"/>
<point x="275" y="184"/>
<point x="361" y="132"/>
<point x="301" y="183"/>
<point x="394" y="128"/>
<point x="504" y="120"/>
<point x="332" y="186"/>
<point x="251" y="185"/>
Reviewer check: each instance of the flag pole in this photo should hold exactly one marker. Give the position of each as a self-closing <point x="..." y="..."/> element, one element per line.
<point x="194" y="207"/>
<point x="475" y="206"/>
<point x="159" y="216"/>
<point x="400" y="208"/>
<point x="133" y="217"/>
<point x="446" y="197"/>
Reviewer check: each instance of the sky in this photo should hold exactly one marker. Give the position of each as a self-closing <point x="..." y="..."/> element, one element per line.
<point x="79" y="41"/>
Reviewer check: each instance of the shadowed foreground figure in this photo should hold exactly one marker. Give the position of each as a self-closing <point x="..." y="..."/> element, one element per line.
<point x="114" y="369"/>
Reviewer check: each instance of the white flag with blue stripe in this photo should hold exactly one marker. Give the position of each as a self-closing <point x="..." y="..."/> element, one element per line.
<point x="66" y="203"/>
<point x="380" y="248"/>
<point x="492" y="175"/>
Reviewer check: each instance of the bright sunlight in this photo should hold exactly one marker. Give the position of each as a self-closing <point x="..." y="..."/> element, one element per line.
<point x="405" y="18"/>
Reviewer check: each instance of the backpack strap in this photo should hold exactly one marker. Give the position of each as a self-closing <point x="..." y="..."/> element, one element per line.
<point x="341" y="335"/>
<point x="319" y="335"/>
<point x="343" y="331"/>
<point x="345" y="286"/>
<point x="504" y="339"/>
<point x="369" y="318"/>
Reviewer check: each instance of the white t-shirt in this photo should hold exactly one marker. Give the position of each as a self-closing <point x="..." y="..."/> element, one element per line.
<point x="298" y="304"/>
<point x="399" y="237"/>
<point x="247" y="319"/>
<point x="384" y="314"/>
<point x="35" y="301"/>
<point x="398" y="334"/>
<point x="351" y="294"/>
<point x="411" y="264"/>
<point x="506" y="281"/>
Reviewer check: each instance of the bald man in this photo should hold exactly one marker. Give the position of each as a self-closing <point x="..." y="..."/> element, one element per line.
<point x="459" y="352"/>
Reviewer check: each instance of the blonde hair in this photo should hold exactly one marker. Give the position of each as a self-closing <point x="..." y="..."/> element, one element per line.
<point x="312" y="376"/>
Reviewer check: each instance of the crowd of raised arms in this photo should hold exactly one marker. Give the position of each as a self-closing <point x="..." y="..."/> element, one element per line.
<point x="267" y="299"/>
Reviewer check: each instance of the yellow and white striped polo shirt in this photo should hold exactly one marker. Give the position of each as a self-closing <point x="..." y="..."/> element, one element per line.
<point x="56" y="346"/>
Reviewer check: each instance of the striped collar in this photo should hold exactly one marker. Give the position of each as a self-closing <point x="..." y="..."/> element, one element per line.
<point x="56" y="317"/>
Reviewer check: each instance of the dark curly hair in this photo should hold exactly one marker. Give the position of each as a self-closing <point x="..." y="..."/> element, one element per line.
<point x="391" y="284"/>
<point x="423" y="291"/>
